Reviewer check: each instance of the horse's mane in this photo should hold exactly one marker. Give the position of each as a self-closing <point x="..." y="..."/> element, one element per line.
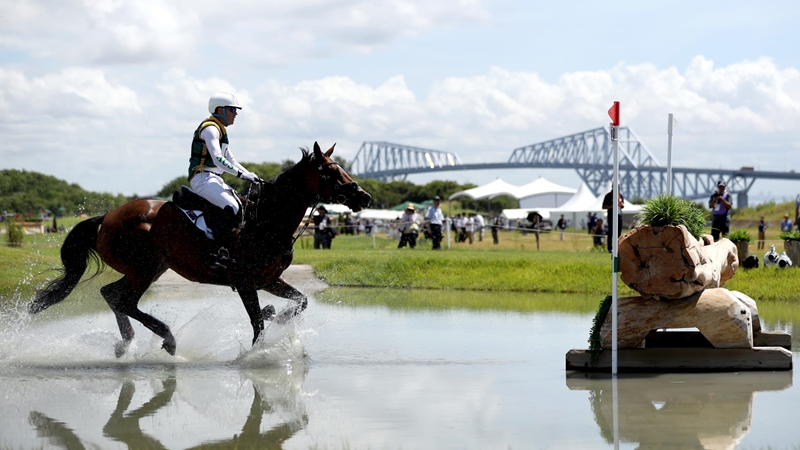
<point x="306" y="157"/>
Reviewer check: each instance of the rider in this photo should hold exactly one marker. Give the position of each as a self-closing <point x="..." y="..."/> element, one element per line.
<point x="211" y="156"/>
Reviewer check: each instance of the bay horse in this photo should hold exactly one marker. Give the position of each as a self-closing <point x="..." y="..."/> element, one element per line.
<point x="143" y="238"/>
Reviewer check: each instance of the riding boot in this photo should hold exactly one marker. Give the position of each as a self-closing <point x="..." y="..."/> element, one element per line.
<point x="225" y="236"/>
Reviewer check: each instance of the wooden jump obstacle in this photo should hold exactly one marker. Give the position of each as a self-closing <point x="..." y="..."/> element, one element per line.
<point x="680" y="281"/>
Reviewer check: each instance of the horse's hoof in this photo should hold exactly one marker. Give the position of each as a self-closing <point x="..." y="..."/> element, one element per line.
<point x="169" y="345"/>
<point x="268" y="313"/>
<point x="120" y="348"/>
<point x="286" y="315"/>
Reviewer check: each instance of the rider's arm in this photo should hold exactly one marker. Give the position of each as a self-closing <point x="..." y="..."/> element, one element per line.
<point x="210" y="135"/>
<point x="227" y="154"/>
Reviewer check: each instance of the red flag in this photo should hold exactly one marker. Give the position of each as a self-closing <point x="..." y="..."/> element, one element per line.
<point x="614" y="114"/>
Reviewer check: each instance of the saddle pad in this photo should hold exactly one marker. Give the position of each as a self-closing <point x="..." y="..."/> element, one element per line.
<point x="198" y="219"/>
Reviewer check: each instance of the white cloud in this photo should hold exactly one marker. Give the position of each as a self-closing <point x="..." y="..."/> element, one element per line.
<point x="134" y="139"/>
<point x="82" y="32"/>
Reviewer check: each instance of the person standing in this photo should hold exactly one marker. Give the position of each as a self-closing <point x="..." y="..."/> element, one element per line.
<point x="480" y="224"/>
<point x="435" y="218"/>
<point x="496" y="224"/>
<point x="786" y="225"/>
<point x="210" y="157"/>
<point x="469" y="227"/>
<point x="409" y="227"/>
<point x="562" y="225"/>
<point x="762" y="228"/>
<point x="720" y="205"/>
<point x="322" y="227"/>
<point x="608" y="205"/>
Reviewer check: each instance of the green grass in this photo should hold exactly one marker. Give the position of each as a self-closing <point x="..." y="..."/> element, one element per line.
<point x="567" y="267"/>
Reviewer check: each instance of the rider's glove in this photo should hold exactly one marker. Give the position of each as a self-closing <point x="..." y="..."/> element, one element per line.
<point x="251" y="177"/>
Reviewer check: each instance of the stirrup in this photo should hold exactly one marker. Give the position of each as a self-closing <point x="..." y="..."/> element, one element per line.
<point x="223" y="259"/>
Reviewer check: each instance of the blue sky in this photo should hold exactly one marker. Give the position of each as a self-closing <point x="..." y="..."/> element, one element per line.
<point x="106" y="93"/>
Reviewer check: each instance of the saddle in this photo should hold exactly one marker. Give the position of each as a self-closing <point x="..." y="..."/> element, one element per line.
<point x="205" y="215"/>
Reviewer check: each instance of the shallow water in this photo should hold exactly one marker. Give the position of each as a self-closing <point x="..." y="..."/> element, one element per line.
<point x="359" y="377"/>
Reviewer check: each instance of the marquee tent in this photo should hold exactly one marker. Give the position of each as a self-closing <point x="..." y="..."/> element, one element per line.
<point x="494" y="189"/>
<point x="579" y="201"/>
<point x="378" y="214"/>
<point x="541" y="193"/>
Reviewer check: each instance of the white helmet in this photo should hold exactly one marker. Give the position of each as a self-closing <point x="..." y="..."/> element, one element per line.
<point x="222" y="99"/>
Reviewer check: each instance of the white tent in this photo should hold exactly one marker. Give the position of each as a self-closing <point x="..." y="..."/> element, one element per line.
<point x="332" y="208"/>
<point x="378" y="214"/>
<point x="541" y="193"/>
<point x="495" y="188"/>
<point x="521" y="213"/>
<point x="580" y="201"/>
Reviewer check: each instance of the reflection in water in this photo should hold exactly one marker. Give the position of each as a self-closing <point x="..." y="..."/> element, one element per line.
<point x="273" y="400"/>
<point x="57" y="433"/>
<point x="125" y="427"/>
<point x="678" y="410"/>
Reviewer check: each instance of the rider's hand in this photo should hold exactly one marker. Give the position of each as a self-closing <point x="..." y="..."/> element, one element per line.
<point x="251" y="177"/>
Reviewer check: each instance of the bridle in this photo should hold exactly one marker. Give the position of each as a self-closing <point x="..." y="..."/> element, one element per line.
<point x="340" y="192"/>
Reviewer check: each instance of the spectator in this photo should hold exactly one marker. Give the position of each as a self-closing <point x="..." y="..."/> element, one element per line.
<point x="608" y="205"/>
<point x="762" y="228"/>
<point x="480" y="224"/>
<point x="322" y="229"/>
<point x="786" y="225"/>
<point x="409" y="227"/>
<point x="496" y="224"/>
<point x="562" y="225"/>
<point x="720" y="205"/>
<point x="469" y="227"/>
<point x="434" y="218"/>
<point x="598" y="233"/>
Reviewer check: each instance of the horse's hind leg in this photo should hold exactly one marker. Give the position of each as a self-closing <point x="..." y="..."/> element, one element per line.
<point x="284" y="290"/>
<point x="123" y="300"/>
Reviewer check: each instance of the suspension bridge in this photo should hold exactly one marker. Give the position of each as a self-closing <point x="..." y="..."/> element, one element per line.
<point x="588" y="153"/>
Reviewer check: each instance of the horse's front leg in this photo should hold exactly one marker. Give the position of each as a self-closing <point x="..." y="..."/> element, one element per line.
<point x="284" y="290"/>
<point x="249" y="298"/>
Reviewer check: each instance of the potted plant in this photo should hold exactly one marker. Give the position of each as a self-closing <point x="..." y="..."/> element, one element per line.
<point x="791" y="245"/>
<point x="667" y="210"/>
<point x="15" y="234"/>
<point x="742" y="240"/>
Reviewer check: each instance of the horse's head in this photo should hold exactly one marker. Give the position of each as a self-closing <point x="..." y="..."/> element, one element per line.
<point x="329" y="181"/>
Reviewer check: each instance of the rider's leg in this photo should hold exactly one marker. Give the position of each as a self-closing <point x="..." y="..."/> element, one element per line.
<point x="225" y="236"/>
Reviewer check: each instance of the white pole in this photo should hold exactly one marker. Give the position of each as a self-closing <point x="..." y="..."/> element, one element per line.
<point x="447" y="224"/>
<point x="669" y="155"/>
<point x="614" y="247"/>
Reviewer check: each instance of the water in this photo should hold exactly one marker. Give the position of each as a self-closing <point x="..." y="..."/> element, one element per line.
<point x="357" y="377"/>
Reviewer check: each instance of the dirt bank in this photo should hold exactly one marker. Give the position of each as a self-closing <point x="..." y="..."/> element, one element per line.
<point x="301" y="276"/>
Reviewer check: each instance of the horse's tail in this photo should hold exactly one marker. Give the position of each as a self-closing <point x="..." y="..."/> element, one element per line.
<point x="78" y="248"/>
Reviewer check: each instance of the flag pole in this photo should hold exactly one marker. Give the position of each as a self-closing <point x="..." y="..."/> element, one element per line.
<point x="669" y="154"/>
<point x="614" y="114"/>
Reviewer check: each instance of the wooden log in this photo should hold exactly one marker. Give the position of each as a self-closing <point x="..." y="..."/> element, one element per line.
<point x="695" y="339"/>
<point x="722" y="318"/>
<point x="669" y="263"/>
<point x="683" y="360"/>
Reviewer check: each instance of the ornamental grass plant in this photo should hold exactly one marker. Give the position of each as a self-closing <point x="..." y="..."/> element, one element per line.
<point x="740" y="236"/>
<point x="667" y="210"/>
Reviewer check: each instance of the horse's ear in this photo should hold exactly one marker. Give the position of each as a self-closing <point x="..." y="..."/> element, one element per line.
<point x="317" y="151"/>
<point x="330" y="151"/>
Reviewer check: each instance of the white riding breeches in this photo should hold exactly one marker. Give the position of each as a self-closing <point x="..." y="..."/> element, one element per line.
<point x="211" y="187"/>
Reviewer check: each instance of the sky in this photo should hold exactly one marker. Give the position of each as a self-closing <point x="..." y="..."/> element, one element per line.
<point x="107" y="93"/>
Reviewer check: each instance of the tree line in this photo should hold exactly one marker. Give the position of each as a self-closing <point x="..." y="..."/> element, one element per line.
<point x="28" y="193"/>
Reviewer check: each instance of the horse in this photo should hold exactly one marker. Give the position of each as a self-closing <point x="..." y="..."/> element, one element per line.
<point x="143" y="238"/>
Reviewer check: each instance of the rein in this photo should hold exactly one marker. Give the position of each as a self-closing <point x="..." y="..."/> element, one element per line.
<point x="308" y="222"/>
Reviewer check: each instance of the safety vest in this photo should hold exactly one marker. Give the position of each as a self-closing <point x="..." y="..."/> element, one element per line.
<point x="200" y="159"/>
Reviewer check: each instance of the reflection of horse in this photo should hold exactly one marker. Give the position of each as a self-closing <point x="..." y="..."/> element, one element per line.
<point x="143" y="238"/>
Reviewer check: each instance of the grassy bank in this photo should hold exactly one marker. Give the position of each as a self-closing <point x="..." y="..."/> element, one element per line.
<point x="569" y="266"/>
